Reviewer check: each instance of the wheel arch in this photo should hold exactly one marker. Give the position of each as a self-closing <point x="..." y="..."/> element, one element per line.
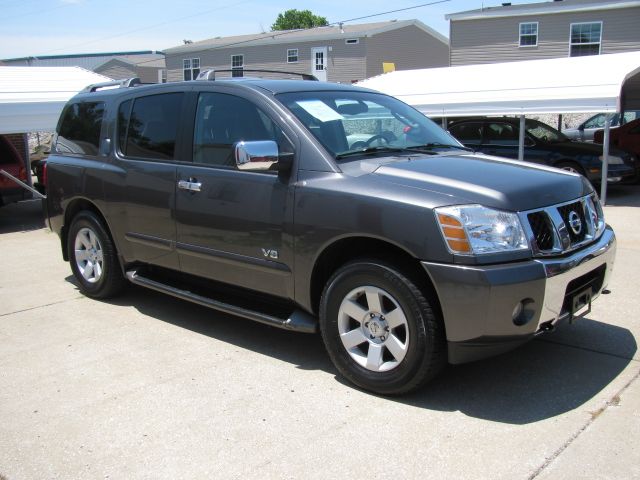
<point x="74" y="208"/>
<point x="344" y="250"/>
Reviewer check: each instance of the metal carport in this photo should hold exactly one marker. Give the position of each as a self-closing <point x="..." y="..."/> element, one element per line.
<point x="601" y="83"/>
<point x="31" y="98"/>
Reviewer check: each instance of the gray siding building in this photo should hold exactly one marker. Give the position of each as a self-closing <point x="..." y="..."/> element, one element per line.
<point x="88" y="61"/>
<point x="149" y="69"/>
<point x="345" y="53"/>
<point x="560" y="28"/>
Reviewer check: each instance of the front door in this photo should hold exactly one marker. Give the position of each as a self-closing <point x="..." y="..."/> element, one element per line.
<point x="232" y="225"/>
<point x="319" y="63"/>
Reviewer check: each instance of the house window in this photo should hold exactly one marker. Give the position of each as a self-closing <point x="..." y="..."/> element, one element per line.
<point x="529" y="34"/>
<point x="352" y="41"/>
<point x="292" y="55"/>
<point x="162" y="75"/>
<point x="585" y="39"/>
<point x="237" y="65"/>
<point x="190" y="68"/>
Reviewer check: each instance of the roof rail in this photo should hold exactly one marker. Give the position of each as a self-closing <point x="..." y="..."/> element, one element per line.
<point x="211" y="74"/>
<point x="126" y="83"/>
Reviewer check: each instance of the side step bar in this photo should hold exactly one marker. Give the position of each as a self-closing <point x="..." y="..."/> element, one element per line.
<point x="298" y="321"/>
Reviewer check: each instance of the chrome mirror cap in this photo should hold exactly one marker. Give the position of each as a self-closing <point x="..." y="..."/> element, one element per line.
<point x="256" y="155"/>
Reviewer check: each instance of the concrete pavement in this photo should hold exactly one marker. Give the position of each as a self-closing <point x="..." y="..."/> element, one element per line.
<point x="146" y="386"/>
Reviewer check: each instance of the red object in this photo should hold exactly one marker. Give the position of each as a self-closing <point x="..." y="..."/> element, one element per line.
<point x="626" y="137"/>
<point x="43" y="180"/>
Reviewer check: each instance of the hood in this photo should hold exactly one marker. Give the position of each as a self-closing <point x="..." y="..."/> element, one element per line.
<point x="490" y="181"/>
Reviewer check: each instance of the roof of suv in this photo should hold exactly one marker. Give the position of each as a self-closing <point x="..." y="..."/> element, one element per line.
<point x="272" y="86"/>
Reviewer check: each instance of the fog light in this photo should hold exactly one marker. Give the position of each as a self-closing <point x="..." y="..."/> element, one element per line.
<point x="523" y="312"/>
<point x="517" y="311"/>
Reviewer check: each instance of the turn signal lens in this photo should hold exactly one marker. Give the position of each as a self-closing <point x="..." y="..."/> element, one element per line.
<point x="454" y="234"/>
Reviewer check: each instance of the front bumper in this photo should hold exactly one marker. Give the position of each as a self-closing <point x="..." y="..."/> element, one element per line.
<point x="478" y="302"/>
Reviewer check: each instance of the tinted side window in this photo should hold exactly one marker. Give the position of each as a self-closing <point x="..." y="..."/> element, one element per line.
<point x="153" y="126"/>
<point x="468" y="133"/>
<point x="501" y="134"/>
<point x="222" y="120"/>
<point x="79" y="129"/>
<point x="124" y="112"/>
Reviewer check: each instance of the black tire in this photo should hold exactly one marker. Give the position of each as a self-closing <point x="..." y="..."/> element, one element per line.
<point x="571" y="167"/>
<point x="110" y="281"/>
<point x="425" y="353"/>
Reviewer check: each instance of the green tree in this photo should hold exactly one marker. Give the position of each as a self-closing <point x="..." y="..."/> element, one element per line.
<point x="294" y="19"/>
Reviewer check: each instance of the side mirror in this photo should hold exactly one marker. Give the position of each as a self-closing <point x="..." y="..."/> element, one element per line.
<point x="260" y="155"/>
<point x="581" y="127"/>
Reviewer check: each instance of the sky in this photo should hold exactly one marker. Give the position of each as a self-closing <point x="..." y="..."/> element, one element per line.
<point x="57" y="27"/>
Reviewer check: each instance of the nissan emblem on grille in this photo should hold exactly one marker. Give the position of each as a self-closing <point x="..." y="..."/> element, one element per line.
<point x="575" y="223"/>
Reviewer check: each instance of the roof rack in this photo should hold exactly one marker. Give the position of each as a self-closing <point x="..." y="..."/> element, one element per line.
<point x="211" y="74"/>
<point x="126" y="83"/>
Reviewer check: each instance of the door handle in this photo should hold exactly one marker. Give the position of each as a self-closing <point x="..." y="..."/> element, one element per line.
<point x="189" y="185"/>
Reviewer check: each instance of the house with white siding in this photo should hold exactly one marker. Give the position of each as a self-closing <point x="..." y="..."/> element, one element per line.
<point x="340" y="53"/>
<point x="561" y="28"/>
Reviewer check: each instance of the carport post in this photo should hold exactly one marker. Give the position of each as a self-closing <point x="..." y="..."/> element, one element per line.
<point x="605" y="160"/>
<point x="521" y="139"/>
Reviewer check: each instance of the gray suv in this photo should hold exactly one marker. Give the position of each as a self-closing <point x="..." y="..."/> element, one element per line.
<point x="308" y="205"/>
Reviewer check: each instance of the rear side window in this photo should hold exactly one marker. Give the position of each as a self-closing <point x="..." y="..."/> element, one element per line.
<point x="79" y="128"/>
<point x="501" y="134"/>
<point x="149" y="128"/>
<point x="468" y="133"/>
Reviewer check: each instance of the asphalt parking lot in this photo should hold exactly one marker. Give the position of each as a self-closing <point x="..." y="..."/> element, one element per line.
<point x="146" y="386"/>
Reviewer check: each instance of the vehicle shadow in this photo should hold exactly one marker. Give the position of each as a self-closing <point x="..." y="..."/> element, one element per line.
<point x="623" y="196"/>
<point x="542" y="379"/>
<point x="21" y="217"/>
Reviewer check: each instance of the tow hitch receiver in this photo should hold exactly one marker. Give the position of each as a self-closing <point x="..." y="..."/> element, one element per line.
<point x="580" y="305"/>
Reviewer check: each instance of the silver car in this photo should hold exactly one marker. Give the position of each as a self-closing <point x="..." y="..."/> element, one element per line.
<point x="584" y="132"/>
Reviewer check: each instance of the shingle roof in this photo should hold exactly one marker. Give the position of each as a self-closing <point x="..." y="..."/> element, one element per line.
<point x="311" y="34"/>
<point x="558" y="6"/>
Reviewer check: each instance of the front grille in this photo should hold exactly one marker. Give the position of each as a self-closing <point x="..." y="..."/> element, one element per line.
<point x="542" y="229"/>
<point x="575" y="221"/>
<point x="561" y="228"/>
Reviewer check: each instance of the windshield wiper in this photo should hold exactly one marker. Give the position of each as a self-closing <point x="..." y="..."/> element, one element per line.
<point x="430" y="146"/>
<point x="381" y="149"/>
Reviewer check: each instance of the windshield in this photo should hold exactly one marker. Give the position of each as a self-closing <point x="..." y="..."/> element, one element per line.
<point x="349" y="123"/>
<point x="543" y="132"/>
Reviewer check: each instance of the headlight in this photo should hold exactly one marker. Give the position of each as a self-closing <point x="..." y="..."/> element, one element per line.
<point x="613" y="159"/>
<point x="597" y="215"/>
<point x="476" y="230"/>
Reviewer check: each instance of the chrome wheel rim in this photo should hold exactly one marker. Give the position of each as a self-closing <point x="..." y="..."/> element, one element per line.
<point x="569" y="169"/>
<point x="88" y="255"/>
<point x="373" y="328"/>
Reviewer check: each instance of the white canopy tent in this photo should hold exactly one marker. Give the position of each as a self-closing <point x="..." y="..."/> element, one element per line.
<point x="31" y="98"/>
<point x="600" y="83"/>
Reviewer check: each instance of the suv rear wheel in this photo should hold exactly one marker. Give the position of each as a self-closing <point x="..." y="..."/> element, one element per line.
<point x="93" y="257"/>
<point x="379" y="329"/>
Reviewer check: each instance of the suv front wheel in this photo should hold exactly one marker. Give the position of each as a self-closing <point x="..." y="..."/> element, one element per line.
<point x="379" y="329"/>
<point x="93" y="257"/>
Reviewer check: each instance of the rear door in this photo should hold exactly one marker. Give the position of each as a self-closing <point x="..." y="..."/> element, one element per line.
<point x="140" y="185"/>
<point x="234" y="226"/>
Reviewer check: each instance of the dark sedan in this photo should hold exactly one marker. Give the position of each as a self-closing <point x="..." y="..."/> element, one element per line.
<point x="542" y="144"/>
